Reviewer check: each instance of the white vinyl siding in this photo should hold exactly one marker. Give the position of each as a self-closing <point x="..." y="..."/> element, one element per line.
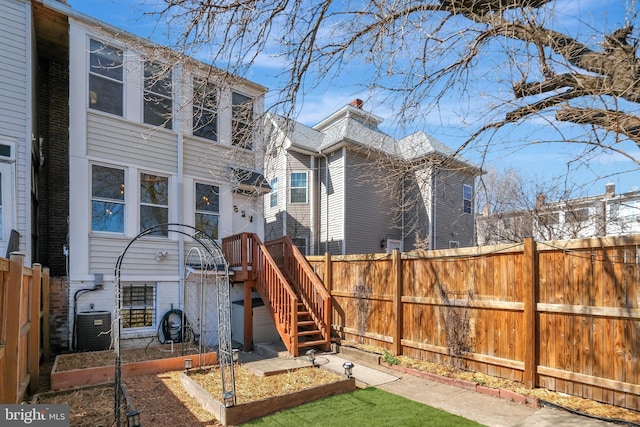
<point x="17" y="96"/>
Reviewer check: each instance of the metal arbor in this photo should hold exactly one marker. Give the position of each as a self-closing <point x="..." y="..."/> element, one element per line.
<point x="210" y="263"/>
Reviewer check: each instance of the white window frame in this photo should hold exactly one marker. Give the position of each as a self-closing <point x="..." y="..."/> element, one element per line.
<point x="201" y="106"/>
<point x="7" y="203"/>
<point x="273" y="194"/>
<point x="243" y="120"/>
<point x="465" y="199"/>
<point x="206" y="212"/>
<point x="306" y="187"/>
<point x="93" y="97"/>
<point x="150" y="93"/>
<point x="162" y="233"/>
<point x="122" y="201"/>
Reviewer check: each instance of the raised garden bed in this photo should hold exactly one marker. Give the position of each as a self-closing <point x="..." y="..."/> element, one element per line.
<point x="247" y="410"/>
<point x="67" y="372"/>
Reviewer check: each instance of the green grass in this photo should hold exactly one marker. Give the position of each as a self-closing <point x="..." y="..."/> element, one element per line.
<point x="367" y="407"/>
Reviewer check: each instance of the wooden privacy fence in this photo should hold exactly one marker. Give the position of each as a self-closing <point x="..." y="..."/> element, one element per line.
<point x="562" y="315"/>
<point x="24" y="326"/>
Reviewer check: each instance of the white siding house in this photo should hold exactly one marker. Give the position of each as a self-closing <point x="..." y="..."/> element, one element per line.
<point x="355" y="198"/>
<point x="18" y="137"/>
<point x="143" y="137"/>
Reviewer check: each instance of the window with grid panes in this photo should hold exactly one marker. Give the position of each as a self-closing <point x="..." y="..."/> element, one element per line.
<point x="466" y="196"/>
<point x="138" y="305"/>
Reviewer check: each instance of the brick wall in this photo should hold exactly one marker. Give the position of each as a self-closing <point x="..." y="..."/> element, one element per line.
<point x="58" y="315"/>
<point x="53" y="178"/>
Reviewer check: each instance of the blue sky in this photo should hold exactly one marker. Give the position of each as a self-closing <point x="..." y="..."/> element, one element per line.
<point x="522" y="147"/>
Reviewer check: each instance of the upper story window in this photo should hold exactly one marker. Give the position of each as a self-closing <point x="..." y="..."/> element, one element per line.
<point x="207" y="209"/>
<point x="242" y="121"/>
<point x="105" y="78"/>
<point x="154" y="202"/>
<point x="107" y="199"/>
<point x="205" y="110"/>
<point x="466" y="199"/>
<point x="157" y="94"/>
<point x="273" y="196"/>
<point x="298" y="187"/>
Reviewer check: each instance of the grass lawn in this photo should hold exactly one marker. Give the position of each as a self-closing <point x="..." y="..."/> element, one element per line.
<point x="366" y="407"/>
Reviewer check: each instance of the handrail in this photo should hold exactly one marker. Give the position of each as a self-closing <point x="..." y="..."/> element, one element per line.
<point x="314" y="295"/>
<point x="271" y="283"/>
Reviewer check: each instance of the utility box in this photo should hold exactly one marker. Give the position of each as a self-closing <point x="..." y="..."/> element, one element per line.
<point x="93" y="330"/>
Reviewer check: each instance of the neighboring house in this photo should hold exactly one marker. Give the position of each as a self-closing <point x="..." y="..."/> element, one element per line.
<point x="104" y="135"/>
<point x="20" y="147"/>
<point x="345" y="187"/>
<point x="607" y="214"/>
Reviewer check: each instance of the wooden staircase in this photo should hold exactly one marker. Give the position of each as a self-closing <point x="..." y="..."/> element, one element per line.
<point x="294" y="295"/>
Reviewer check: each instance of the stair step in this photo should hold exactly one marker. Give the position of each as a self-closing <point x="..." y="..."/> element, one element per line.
<point x="311" y="343"/>
<point x="312" y="332"/>
<point x="306" y="323"/>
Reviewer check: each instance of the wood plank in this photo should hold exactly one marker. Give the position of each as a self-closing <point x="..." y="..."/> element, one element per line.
<point x="529" y="278"/>
<point x="398" y="324"/>
<point x="590" y="380"/>
<point x="12" y="297"/>
<point x="34" y="336"/>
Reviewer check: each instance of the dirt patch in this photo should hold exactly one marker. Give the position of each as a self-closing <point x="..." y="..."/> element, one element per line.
<point x="95" y="359"/>
<point x="161" y="398"/>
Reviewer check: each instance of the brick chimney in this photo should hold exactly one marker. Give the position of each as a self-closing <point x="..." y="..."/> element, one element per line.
<point x="610" y="190"/>
<point x="358" y="103"/>
<point x="540" y="200"/>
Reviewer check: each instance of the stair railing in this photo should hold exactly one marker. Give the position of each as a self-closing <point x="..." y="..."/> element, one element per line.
<point x="309" y="286"/>
<point x="280" y="299"/>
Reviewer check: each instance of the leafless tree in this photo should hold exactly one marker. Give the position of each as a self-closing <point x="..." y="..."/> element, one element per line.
<point x="513" y="207"/>
<point x="417" y="53"/>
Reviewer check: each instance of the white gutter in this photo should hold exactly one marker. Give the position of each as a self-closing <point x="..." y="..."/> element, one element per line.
<point x="312" y="208"/>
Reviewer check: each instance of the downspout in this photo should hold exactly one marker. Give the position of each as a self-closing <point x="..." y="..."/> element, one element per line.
<point x="180" y="192"/>
<point x="312" y="208"/>
<point x="402" y="218"/>
<point x="326" y="192"/>
<point x="181" y="260"/>
<point x="433" y="210"/>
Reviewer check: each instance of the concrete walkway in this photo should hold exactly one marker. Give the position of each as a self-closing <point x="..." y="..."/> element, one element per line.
<point x="484" y="409"/>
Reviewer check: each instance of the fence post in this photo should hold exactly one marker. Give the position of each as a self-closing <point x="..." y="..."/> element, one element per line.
<point x="34" y="328"/>
<point x="397" y="302"/>
<point x="45" y="313"/>
<point x="529" y="288"/>
<point x="12" y="294"/>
